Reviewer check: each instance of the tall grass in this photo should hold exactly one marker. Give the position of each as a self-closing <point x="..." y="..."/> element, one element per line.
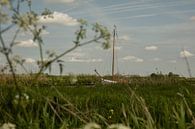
<point x="35" y="101"/>
<point x="161" y="105"/>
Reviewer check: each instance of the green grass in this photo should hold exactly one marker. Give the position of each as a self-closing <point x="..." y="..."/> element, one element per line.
<point x="146" y="103"/>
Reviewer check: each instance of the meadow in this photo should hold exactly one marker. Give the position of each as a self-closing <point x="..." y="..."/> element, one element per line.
<point x="60" y="102"/>
<point x="41" y="101"/>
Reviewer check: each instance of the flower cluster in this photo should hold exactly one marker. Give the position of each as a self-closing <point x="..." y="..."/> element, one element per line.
<point x="112" y="126"/>
<point x="21" y="99"/>
<point x="8" y="126"/>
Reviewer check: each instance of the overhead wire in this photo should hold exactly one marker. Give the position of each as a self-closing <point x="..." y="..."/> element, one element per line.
<point x="120" y="8"/>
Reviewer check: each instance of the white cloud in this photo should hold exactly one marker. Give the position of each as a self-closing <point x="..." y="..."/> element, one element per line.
<point x="151" y="48"/>
<point x="44" y="32"/>
<point x="156" y="59"/>
<point x="133" y="59"/>
<point x="60" y="1"/>
<point x="76" y="54"/>
<point x="124" y="38"/>
<point x="192" y="18"/>
<point x="173" y="61"/>
<point x="30" y="60"/>
<point x="26" y="43"/>
<point x="79" y="60"/>
<point x="138" y="60"/>
<point x="128" y="57"/>
<point x="117" y="48"/>
<point x="58" y="18"/>
<point x="185" y="53"/>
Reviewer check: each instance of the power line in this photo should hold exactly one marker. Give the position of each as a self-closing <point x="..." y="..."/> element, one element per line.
<point x="128" y="7"/>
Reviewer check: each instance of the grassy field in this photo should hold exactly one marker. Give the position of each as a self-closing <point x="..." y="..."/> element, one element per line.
<point x="60" y="102"/>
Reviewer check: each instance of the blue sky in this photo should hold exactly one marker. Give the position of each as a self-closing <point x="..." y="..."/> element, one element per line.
<point x="151" y="35"/>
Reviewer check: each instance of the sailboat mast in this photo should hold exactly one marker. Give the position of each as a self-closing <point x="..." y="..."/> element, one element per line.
<point x="187" y="63"/>
<point x="113" y="51"/>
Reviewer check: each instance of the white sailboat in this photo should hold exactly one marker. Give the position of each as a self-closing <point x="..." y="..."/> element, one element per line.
<point x="105" y="81"/>
<point x="114" y="80"/>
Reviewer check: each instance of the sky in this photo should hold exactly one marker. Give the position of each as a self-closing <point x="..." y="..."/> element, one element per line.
<point x="153" y="36"/>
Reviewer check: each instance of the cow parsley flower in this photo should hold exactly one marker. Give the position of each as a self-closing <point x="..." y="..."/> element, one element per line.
<point x="8" y="126"/>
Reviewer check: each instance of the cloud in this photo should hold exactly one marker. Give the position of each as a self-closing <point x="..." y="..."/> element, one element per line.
<point x="60" y="1"/>
<point x="44" y="32"/>
<point x="192" y="18"/>
<point x="151" y="48"/>
<point x="173" y="61"/>
<point x="26" y="43"/>
<point x="156" y="59"/>
<point x="185" y="53"/>
<point x="76" y="54"/>
<point x="117" y="47"/>
<point x="29" y="60"/>
<point x="124" y="38"/>
<point x="58" y="18"/>
<point x="79" y="60"/>
<point x="133" y="59"/>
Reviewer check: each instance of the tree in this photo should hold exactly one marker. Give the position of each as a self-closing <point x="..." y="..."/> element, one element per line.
<point x="11" y="18"/>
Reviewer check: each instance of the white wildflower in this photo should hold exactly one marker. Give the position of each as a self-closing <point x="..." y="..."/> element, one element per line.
<point x="26" y="96"/>
<point x="17" y="96"/>
<point x="8" y="126"/>
<point x="23" y="96"/>
<point x="111" y="111"/>
<point x="109" y="117"/>
<point x="92" y="126"/>
<point x="73" y="79"/>
<point x="118" y="126"/>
